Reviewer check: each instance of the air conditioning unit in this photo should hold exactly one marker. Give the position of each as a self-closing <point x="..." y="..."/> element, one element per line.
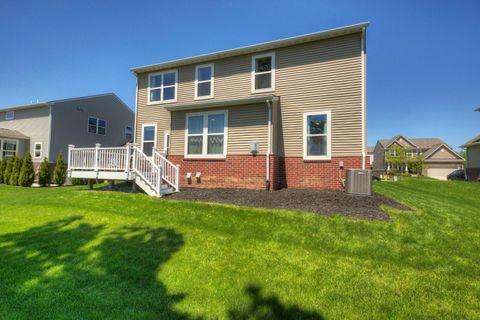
<point x="359" y="182"/>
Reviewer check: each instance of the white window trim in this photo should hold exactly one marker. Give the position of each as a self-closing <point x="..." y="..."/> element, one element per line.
<point x="328" y="156"/>
<point x="97" y="125"/>
<point x="12" y="113"/>
<point x="131" y="128"/>
<point x="205" y="133"/>
<point x="166" y="139"/>
<point x="161" y="101"/>
<point x="34" y="150"/>
<point x="253" y="73"/>
<point x="143" y="134"/>
<point x="17" y="143"/>
<point x="212" y="81"/>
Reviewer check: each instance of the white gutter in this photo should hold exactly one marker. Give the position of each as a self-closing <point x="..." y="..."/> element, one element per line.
<point x="49" y="132"/>
<point x="136" y="110"/>
<point x="267" y="181"/>
<point x="363" y="98"/>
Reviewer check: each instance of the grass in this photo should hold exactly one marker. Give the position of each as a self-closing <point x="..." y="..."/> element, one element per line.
<point x="77" y="254"/>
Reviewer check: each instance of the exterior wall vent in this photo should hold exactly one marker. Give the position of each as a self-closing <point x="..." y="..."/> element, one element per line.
<point x="359" y="182"/>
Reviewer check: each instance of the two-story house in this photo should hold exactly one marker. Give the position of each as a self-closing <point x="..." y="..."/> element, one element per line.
<point x="438" y="157"/>
<point x="46" y="129"/>
<point x="286" y="113"/>
<point x="472" y="149"/>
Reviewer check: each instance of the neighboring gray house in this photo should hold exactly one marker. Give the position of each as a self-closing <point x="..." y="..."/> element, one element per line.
<point x="46" y="129"/>
<point x="472" y="148"/>
<point x="439" y="158"/>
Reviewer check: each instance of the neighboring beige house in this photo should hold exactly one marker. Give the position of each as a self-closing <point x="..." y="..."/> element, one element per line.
<point x="440" y="160"/>
<point x="45" y="129"/>
<point x="472" y="148"/>
<point x="285" y="113"/>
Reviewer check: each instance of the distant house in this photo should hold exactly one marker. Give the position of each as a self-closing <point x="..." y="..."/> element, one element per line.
<point x="440" y="160"/>
<point x="45" y="129"/>
<point x="371" y="154"/>
<point x="472" y="148"/>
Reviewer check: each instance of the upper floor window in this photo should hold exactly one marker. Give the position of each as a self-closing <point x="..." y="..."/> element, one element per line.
<point x="162" y="87"/>
<point x="129" y="133"/>
<point x="206" y="134"/>
<point x="9" y="115"/>
<point x="97" y="126"/>
<point x="263" y="72"/>
<point x="317" y="135"/>
<point x="204" y="81"/>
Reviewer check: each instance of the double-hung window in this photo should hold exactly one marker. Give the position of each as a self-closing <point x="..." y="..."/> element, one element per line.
<point x="317" y="135"/>
<point x="8" y="148"/>
<point x="97" y="126"/>
<point x="37" y="150"/>
<point x="204" y="81"/>
<point x="129" y="133"/>
<point x="206" y="134"/>
<point x="263" y="72"/>
<point x="162" y="87"/>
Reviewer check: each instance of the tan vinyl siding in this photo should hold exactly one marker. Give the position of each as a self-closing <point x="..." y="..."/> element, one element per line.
<point x="442" y="155"/>
<point x="315" y="76"/>
<point x="246" y="124"/>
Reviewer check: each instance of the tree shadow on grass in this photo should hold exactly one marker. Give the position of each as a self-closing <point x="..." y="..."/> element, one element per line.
<point x="70" y="269"/>
<point x="270" y="308"/>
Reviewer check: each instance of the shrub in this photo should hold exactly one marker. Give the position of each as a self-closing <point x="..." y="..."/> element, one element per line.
<point x="15" y="174"/>
<point x="27" y="173"/>
<point x="3" y="166"/>
<point x="44" y="178"/>
<point x="60" y="172"/>
<point x="78" y="181"/>
<point x="8" y="171"/>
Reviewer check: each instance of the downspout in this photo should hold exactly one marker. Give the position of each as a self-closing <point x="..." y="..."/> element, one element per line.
<point x="49" y="133"/>
<point x="136" y="110"/>
<point x="267" y="180"/>
<point x="363" y="98"/>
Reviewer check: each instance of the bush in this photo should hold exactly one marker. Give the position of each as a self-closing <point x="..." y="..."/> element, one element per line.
<point x="44" y="178"/>
<point x="8" y="171"/>
<point x="27" y="173"/>
<point x="15" y="174"/>
<point x="3" y="166"/>
<point x="60" y="172"/>
<point x="78" y="181"/>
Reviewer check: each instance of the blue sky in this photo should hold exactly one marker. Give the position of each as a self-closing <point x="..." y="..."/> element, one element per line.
<point x="423" y="56"/>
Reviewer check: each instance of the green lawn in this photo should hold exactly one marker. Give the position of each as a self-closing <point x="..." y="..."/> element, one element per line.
<point x="69" y="253"/>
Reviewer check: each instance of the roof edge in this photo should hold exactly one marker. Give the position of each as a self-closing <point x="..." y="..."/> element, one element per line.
<point x="329" y="33"/>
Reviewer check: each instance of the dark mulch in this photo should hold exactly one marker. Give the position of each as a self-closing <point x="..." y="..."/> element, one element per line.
<point x="321" y="202"/>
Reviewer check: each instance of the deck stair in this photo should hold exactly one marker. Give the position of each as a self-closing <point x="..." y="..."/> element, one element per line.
<point x="153" y="174"/>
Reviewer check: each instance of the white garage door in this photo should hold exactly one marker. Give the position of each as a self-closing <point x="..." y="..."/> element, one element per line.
<point x="439" y="173"/>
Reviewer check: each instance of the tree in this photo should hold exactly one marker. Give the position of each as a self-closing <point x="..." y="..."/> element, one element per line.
<point x="15" y="174"/>
<point x="44" y="178"/>
<point x="8" y="171"/>
<point x="416" y="164"/>
<point x="463" y="154"/>
<point x="3" y="166"/>
<point x="60" y="172"/>
<point x="27" y="173"/>
<point x="396" y="157"/>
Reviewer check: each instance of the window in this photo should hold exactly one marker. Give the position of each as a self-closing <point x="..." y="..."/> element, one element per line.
<point x="263" y="72"/>
<point x="204" y="81"/>
<point x="128" y="133"/>
<point x="9" y="115"/>
<point x="162" y="87"/>
<point x="317" y="136"/>
<point x="37" y="150"/>
<point x="97" y="126"/>
<point x="149" y="138"/>
<point x="392" y="152"/>
<point x="206" y="134"/>
<point x="8" y="148"/>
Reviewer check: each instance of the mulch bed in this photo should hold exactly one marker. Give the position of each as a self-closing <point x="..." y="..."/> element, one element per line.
<point x="321" y="202"/>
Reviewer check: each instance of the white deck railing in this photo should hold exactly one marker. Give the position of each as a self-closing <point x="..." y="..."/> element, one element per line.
<point x="129" y="159"/>
<point x="171" y="172"/>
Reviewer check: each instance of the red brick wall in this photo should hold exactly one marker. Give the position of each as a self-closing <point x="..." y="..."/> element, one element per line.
<point x="246" y="171"/>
